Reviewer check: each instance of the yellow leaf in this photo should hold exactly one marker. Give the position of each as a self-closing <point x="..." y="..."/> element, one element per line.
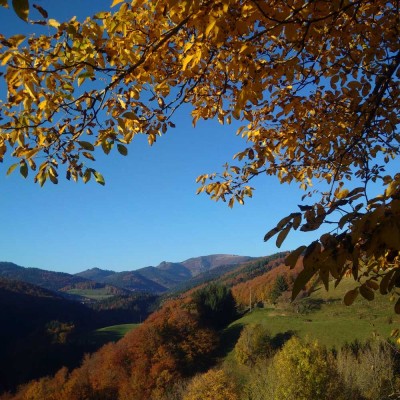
<point x="17" y="39"/>
<point x="6" y="57"/>
<point x="210" y="26"/>
<point x="99" y="178"/>
<point x="115" y="2"/>
<point x="392" y="188"/>
<point x="11" y="168"/>
<point x="52" y="22"/>
<point x="342" y="194"/>
<point x="186" y="61"/>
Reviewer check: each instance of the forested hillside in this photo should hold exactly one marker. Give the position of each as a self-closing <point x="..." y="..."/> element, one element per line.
<point x="187" y="350"/>
<point x="47" y="279"/>
<point x="41" y="331"/>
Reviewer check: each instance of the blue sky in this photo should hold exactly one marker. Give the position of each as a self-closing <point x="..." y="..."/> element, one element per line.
<point x="148" y="211"/>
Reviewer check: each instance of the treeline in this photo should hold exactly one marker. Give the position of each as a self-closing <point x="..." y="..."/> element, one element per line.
<point x="240" y="274"/>
<point x="263" y="288"/>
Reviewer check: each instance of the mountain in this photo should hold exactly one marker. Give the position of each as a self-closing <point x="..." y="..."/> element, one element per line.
<point x="46" y="279"/>
<point x="167" y="275"/>
<point x="133" y="280"/>
<point x="95" y="274"/>
<point x="199" y="265"/>
<point x="160" y="279"/>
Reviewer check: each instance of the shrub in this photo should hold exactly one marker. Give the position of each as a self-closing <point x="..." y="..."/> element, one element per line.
<point x="254" y="343"/>
<point x="367" y="370"/>
<point x="303" y="371"/>
<point x="213" y="385"/>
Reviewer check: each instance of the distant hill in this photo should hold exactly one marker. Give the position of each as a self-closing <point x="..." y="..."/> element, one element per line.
<point x="133" y="280"/>
<point x="47" y="279"/>
<point x="95" y="274"/>
<point x="199" y="265"/>
<point x="167" y="275"/>
<point x="160" y="279"/>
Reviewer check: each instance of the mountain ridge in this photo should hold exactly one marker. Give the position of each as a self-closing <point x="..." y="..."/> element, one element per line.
<point x="159" y="279"/>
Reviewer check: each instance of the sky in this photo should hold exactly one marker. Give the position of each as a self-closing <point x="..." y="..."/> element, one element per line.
<point x="148" y="211"/>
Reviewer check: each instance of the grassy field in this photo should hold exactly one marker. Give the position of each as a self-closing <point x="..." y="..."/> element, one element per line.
<point x="110" y="333"/>
<point x="324" y="317"/>
<point x="93" y="294"/>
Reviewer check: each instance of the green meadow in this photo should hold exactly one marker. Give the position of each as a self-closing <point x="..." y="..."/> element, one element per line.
<point x="322" y="316"/>
<point x="110" y="333"/>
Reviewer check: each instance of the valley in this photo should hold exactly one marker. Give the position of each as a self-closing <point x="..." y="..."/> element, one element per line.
<point x="94" y="314"/>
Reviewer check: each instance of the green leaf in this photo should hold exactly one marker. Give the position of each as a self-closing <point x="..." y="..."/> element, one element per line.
<point x="99" y="178"/>
<point x="12" y="167"/>
<point x="122" y="149"/>
<point x="292" y="258"/>
<point x="350" y="296"/>
<point x="21" y="8"/>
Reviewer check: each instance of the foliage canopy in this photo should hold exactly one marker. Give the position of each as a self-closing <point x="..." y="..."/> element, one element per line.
<point x="315" y="85"/>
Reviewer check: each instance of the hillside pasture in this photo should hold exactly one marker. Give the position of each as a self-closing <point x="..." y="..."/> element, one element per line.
<point x="92" y="294"/>
<point x="324" y="317"/>
<point x="110" y="333"/>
